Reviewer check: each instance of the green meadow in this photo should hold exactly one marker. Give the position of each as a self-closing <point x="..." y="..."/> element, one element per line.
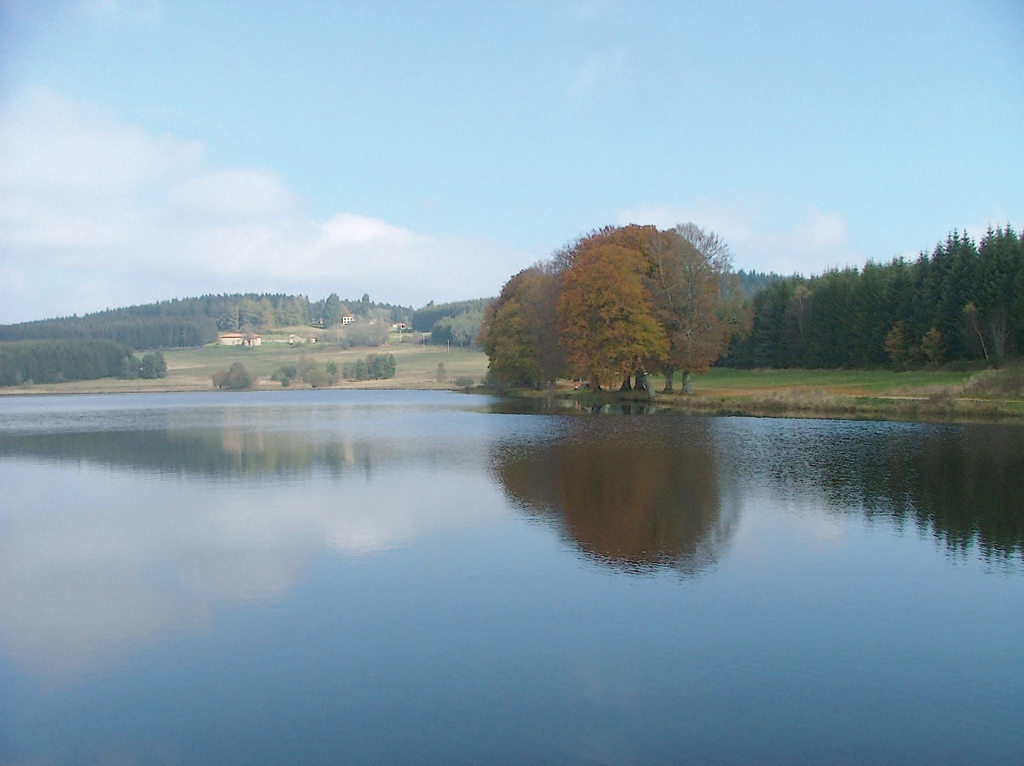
<point x="820" y="393"/>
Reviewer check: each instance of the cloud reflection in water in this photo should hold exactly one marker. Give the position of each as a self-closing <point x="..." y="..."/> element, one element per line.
<point x="111" y="539"/>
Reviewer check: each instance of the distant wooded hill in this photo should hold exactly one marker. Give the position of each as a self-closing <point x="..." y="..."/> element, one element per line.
<point x="196" y="321"/>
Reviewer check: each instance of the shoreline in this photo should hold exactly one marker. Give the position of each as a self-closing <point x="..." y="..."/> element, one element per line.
<point x="756" y="394"/>
<point x="791" y="402"/>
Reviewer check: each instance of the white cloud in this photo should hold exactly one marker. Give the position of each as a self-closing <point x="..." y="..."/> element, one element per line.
<point x="95" y="212"/>
<point x="348" y="229"/>
<point x="232" y="194"/>
<point x="69" y="174"/>
<point x="56" y="144"/>
<point x="816" y="242"/>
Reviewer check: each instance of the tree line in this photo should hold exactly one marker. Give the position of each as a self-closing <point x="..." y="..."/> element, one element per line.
<point x="455" y="323"/>
<point x="55" y="361"/>
<point x="626" y="300"/>
<point x="424" y="319"/>
<point x="135" y="331"/>
<point x="964" y="302"/>
<point x="615" y="304"/>
<point x="331" y="311"/>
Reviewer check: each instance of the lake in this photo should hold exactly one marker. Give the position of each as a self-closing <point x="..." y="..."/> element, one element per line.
<point x="368" y="577"/>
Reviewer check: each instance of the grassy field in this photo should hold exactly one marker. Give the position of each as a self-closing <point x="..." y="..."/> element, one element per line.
<point x="191" y="369"/>
<point x="828" y="393"/>
<point x="847" y="382"/>
<point x="857" y="393"/>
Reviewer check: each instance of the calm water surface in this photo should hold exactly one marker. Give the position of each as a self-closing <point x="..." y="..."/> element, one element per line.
<point x="418" y="578"/>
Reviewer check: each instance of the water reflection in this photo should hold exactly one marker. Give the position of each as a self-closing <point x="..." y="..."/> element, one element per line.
<point x="967" y="486"/>
<point x="299" y="583"/>
<point x="635" y="495"/>
<point x="111" y="538"/>
<point x="213" y="451"/>
<point x="963" y="485"/>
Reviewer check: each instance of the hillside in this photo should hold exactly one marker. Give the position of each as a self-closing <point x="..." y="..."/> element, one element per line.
<point x="192" y="322"/>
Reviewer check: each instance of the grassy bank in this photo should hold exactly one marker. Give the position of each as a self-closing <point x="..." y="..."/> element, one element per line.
<point x="922" y="394"/>
<point x="874" y="394"/>
<point x="805" y="393"/>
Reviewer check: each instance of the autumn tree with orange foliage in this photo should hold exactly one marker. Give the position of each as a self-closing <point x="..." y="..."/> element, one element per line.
<point x="623" y="299"/>
<point x="631" y="237"/>
<point x="605" y="315"/>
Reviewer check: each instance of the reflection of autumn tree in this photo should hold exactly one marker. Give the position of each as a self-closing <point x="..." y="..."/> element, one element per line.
<point x="628" y="502"/>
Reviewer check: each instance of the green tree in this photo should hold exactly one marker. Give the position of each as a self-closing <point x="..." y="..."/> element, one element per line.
<point x="153" y="366"/>
<point x="380" y="366"/>
<point x="1000" y="265"/>
<point x="129" y="368"/>
<point x="333" y="311"/>
<point x="519" y="331"/>
<point x="441" y="331"/>
<point x="53" y="361"/>
<point x="975" y="328"/>
<point x="286" y="374"/>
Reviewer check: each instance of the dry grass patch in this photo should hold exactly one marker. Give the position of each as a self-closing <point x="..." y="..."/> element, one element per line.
<point x="192" y="369"/>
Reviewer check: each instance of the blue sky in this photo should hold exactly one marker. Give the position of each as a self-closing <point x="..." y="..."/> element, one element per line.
<point x="422" y="151"/>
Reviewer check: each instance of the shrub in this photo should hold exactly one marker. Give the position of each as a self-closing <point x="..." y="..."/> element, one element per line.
<point x="374" y="367"/>
<point x="1007" y="382"/>
<point x="234" y="378"/>
<point x="285" y="374"/>
<point x="316" y="378"/>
